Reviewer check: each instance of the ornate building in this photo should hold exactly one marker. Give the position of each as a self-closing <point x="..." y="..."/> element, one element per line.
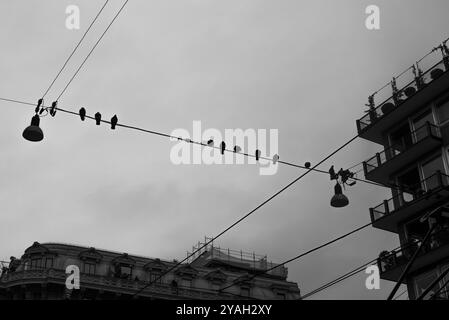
<point x="41" y="274"/>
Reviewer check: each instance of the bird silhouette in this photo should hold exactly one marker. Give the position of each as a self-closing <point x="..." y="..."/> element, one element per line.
<point x="98" y="118"/>
<point x="332" y="173"/>
<point x="307" y="165"/>
<point x="275" y="158"/>
<point x="82" y="113"/>
<point x="223" y="147"/>
<point x="210" y="143"/>
<point x="114" y="120"/>
<point x="237" y="149"/>
<point x="258" y="155"/>
<point x="53" y="108"/>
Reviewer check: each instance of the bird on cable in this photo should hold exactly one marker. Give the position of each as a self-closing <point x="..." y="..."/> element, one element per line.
<point x="210" y="142"/>
<point x="223" y="147"/>
<point x="237" y="149"/>
<point x="307" y="165"/>
<point x="114" y="120"/>
<point x="275" y="158"/>
<point x="98" y="118"/>
<point x="332" y="173"/>
<point x="82" y="114"/>
<point x="53" y="108"/>
<point x="258" y="155"/>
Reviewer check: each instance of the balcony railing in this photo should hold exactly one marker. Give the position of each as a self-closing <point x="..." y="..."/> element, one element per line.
<point x="427" y="130"/>
<point x="390" y="260"/>
<point x="376" y="113"/>
<point x="408" y="195"/>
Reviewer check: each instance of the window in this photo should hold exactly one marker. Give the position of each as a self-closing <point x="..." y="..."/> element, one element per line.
<point x="122" y="271"/>
<point x="36" y="263"/>
<point x="155" y="277"/>
<point x="429" y="169"/>
<point x="423" y="281"/>
<point x="244" y="292"/>
<point x="443" y="111"/>
<point x="89" y="268"/>
<point x="186" y="283"/>
<point x="48" y="263"/>
<point x="419" y="125"/>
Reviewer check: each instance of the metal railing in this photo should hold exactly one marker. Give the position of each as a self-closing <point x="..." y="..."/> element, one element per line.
<point x="409" y="194"/>
<point x="419" y="82"/>
<point x="426" y="130"/>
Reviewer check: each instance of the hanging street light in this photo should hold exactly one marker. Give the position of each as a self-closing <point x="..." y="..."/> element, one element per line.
<point x="33" y="132"/>
<point x="339" y="200"/>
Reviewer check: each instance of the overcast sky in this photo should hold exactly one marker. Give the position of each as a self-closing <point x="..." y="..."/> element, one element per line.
<point x="305" y="68"/>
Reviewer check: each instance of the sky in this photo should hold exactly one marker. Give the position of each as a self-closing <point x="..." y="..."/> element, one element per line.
<point x="304" y="68"/>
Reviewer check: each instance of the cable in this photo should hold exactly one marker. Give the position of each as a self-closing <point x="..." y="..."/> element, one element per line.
<point x="200" y="143"/>
<point x="93" y="48"/>
<point x="258" y="207"/>
<point x="74" y="50"/>
<point x="305" y="253"/>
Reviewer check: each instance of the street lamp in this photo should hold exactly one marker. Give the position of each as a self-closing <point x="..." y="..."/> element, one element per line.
<point x="33" y="132"/>
<point x="339" y="200"/>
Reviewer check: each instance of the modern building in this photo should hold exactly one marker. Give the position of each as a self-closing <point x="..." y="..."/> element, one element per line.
<point x="41" y="274"/>
<point x="411" y="122"/>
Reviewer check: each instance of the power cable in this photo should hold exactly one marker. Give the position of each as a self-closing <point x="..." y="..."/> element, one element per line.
<point x="74" y="50"/>
<point x="91" y="51"/>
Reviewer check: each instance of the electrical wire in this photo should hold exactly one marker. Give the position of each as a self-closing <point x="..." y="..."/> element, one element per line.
<point x="258" y="207"/>
<point x="74" y="50"/>
<point x="199" y="143"/>
<point x="401" y="294"/>
<point x="91" y="51"/>
<point x="305" y="253"/>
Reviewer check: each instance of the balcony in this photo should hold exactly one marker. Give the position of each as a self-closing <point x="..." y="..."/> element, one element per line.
<point x="392" y="264"/>
<point x="405" y="102"/>
<point x="380" y="167"/>
<point x="429" y="192"/>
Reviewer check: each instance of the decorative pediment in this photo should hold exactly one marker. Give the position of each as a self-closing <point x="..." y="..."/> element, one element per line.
<point x="37" y="249"/>
<point x="90" y="254"/>
<point x="124" y="259"/>
<point x="216" y="276"/>
<point x="187" y="271"/>
<point x="155" y="266"/>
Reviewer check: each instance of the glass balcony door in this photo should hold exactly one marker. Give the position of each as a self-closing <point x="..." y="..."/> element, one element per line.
<point x="419" y="125"/>
<point x="429" y="170"/>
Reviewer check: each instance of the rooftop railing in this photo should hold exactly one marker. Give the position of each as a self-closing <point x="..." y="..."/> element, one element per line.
<point x="418" y="81"/>
<point x="409" y="194"/>
<point x="427" y="130"/>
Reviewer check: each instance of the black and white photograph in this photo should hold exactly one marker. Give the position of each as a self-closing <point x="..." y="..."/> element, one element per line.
<point x="224" y="158"/>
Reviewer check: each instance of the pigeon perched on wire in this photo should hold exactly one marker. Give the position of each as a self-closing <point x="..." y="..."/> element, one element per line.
<point x="237" y="149"/>
<point x="210" y="143"/>
<point x="258" y="155"/>
<point x="275" y="158"/>
<point x="332" y="173"/>
<point x="223" y="147"/>
<point x="53" y="108"/>
<point x="114" y="120"/>
<point x="82" y="114"/>
<point x="98" y="118"/>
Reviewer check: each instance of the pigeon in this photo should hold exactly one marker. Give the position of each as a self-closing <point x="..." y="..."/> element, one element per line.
<point x="114" y="120"/>
<point x="307" y="165"/>
<point x="275" y="158"/>
<point x="237" y="149"/>
<point x="258" y="155"/>
<point x="82" y="113"/>
<point x="98" y="118"/>
<point x="334" y="176"/>
<point x="210" y="143"/>
<point x="53" y="108"/>
<point x="223" y="147"/>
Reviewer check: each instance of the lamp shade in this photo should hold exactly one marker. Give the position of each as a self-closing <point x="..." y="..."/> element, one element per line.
<point x="339" y="200"/>
<point x="33" y="132"/>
